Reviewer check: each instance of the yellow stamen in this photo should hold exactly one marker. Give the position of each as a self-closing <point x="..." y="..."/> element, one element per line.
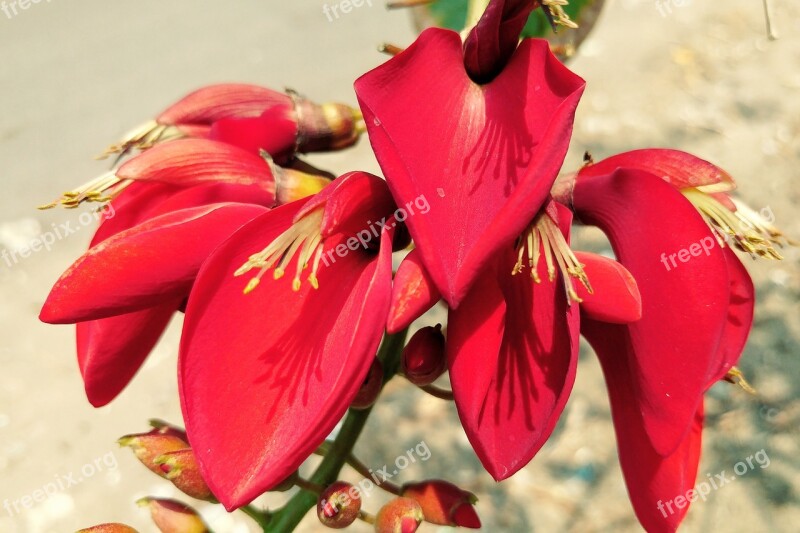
<point x="557" y="12"/>
<point x="544" y="235"/>
<point x="748" y="230"/>
<point x="101" y="189"/>
<point x="736" y="377"/>
<point x="142" y="137"/>
<point x="303" y="239"/>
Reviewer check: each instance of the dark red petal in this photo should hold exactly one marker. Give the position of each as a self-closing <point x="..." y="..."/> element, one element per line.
<point x="740" y="316"/>
<point x="512" y="349"/>
<point x="224" y="100"/>
<point x="111" y="350"/>
<point x="491" y="42"/>
<point x="188" y="162"/>
<point x="482" y="157"/>
<point x="616" y="297"/>
<point x="678" y="168"/>
<point x="275" y="131"/>
<point x="651" y="477"/>
<point x="413" y="293"/>
<point x="144" y="265"/>
<point x="353" y="202"/>
<point x="297" y="358"/>
<point x="684" y="308"/>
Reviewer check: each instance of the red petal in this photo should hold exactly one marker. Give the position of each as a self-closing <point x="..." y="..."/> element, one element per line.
<point x="297" y="359"/>
<point x="616" y="297"/>
<point x="199" y="161"/>
<point x="275" y="132"/>
<point x="144" y="265"/>
<point x="672" y="347"/>
<point x="652" y="478"/>
<point x="512" y="350"/>
<point x="493" y="40"/>
<point x="483" y="166"/>
<point x="111" y="350"/>
<point x="679" y="168"/>
<point x="224" y="100"/>
<point x="413" y="293"/>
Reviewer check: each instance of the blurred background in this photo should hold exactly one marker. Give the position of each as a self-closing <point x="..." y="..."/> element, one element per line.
<point x="75" y="76"/>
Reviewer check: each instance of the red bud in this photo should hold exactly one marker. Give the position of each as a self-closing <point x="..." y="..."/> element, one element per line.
<point x="181" y="468"/>
<point x="109" y="528"/>
<point x="423" y="357"/>
<point x="443" y="503"/>
<point x="171" y="516"/>
<point x="338" y="505"/>
<point x="401" y="515"/>
<point x="371" y="388"/>
<point x="148" y="446"/>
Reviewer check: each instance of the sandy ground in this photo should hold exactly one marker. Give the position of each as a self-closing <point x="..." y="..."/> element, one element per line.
<point x="76" y="75"/>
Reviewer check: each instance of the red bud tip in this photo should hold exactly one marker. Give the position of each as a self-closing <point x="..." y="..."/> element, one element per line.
<point x="423" y="358"/>
<point x="182" y="469"/>
<point x="371" y="388"/>
<point x="401" y="515"/>
<point x="443" y="503"/>
<point x="155" y="443"/>
<point x="338" y="505"/>
<point x="171" y="516"/>
<point x="109" y="528"/>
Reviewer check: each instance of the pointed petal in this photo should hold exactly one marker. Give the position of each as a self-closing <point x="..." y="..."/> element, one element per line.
<point x="214" y="102"/>
<point x="111" y="350"/>
<point x="144" y="265"/>
<point x="684" y="306"/>
<point x="198" y="161"/>
<point x="512" y="349"/>
<point x="413" y="293"/>
<point x="654" y="480"/>
<point x="491" y="42"/>
<point x="483" y="166"/>
<point x="616" y="298"/>
<point x="297" y="358"/>
<point x="678" y="168"/>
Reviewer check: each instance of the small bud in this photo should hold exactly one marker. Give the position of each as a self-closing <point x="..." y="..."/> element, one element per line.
<point x="338" y="505"/>
<point x="325" y="127"/>
<point x="423" y="358"/>
<point x="371" y="388"/>
<point x="109" y="528"/>
<point x="401" y="515"/>
<point x="148" y="446"/>
<point x="443" y="503"/>
<point x="171" y="516"/>
<point x="181" y="468"/>
<point x="299" y="180"/>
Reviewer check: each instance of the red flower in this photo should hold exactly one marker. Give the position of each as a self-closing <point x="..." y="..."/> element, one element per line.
<point x="251" y="117"/>
<point x="266" y="376"/>
<point x="484" y="156"/>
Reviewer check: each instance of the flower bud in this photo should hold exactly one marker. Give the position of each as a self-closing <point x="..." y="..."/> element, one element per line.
<point x="443" y="503"/>
<point x="423" y="358"/>
<point x="338" y="505"/>
<point x="181" y="468"/>
<point x="401" y="515"/>
<point x="371" y="387"/>
<point x="171" y="516"/>
<point x="109" y="528"/>
<point x="148" y="446"/>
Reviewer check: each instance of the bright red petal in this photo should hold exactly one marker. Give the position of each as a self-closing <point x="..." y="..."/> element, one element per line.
<point x="223" y="100"/>
<point x="297" y="359"/>
<point x="684" y="306"/>
<point x="144" y="265"/>
<point x="275" y="132"/>
<point x="512" y="349"/>
<point x="484" y="166"/>
<point x="615" y="297"/>
<point x="111" y="350"/>
<point x="413" y="293"/>
<point x="654" y="480"/>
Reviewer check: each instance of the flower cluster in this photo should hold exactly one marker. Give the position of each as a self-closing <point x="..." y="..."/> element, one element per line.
<point x="219" y="219"/>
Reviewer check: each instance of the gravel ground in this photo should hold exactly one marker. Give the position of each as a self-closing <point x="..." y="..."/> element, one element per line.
<point x="75" y="76"/>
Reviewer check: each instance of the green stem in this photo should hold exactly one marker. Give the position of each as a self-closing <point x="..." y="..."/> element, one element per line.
<point x="260" y="517"/>
<point x="289" y="516"/>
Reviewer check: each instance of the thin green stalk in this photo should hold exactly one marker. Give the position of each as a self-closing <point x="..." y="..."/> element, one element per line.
<point x="289" y="516"/>
<point x="260" y="517"/>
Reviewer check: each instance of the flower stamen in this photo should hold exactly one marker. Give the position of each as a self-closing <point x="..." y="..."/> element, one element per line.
<point x="559" y="16"/>
<point x="544" y="234"/>
<point x="102" y="189"/>
<point x="303" y="238"/>
<point x="736" y="377"/>
<point x="142" y="137"/>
